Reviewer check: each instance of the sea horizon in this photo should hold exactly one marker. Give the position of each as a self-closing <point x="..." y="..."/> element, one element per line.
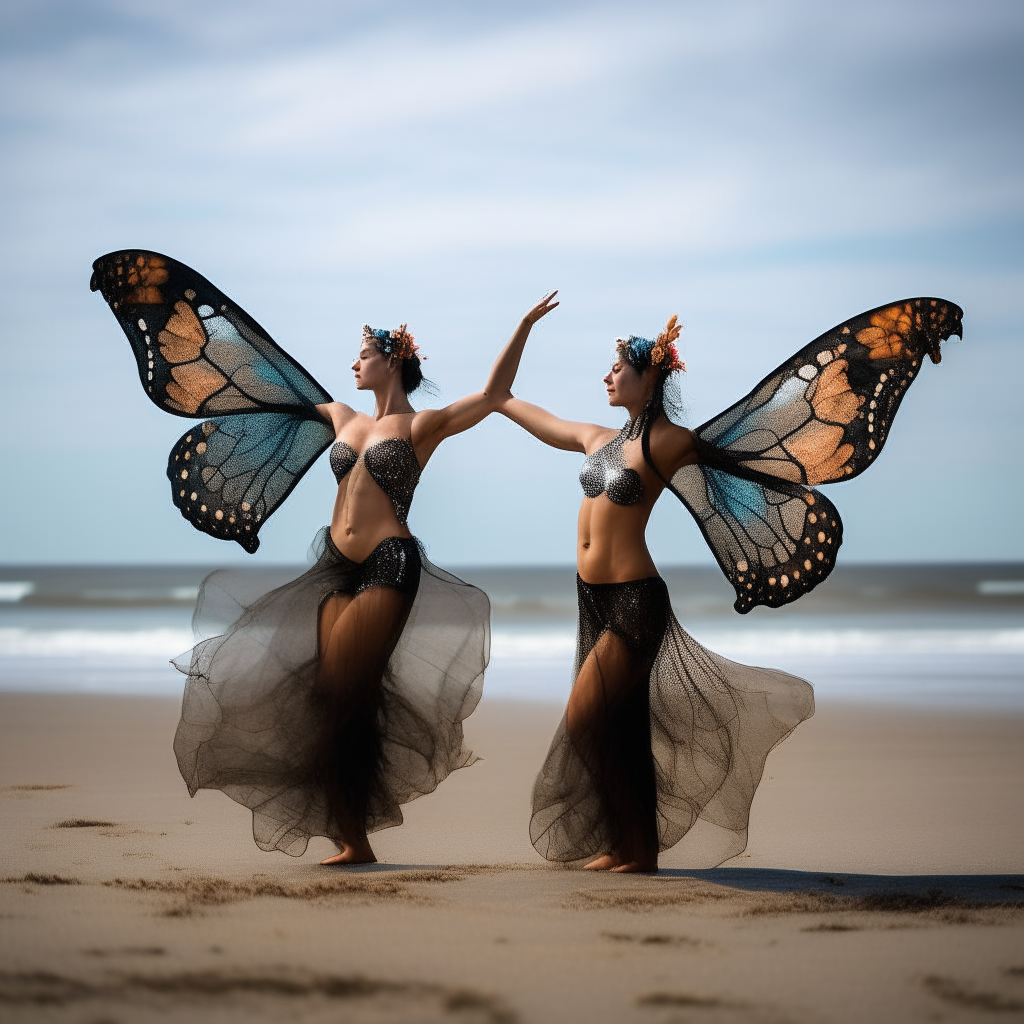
<point x="922" y="634"/>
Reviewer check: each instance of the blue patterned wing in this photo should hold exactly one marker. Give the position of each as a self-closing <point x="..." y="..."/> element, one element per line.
<point x="774" y="542"/>
<point x="822" y="416"/>
<point x="198" y="353"/>
<point x="229" y="474"/>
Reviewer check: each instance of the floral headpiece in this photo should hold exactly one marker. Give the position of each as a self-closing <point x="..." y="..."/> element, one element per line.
<point x="662" y="352"/>
<point x="398" y="343"/>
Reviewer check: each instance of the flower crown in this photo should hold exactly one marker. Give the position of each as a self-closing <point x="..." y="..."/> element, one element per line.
<point x="662" y="352"/>
<point x="398" y="343"/>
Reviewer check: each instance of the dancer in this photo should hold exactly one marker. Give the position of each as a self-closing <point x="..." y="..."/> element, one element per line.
<point x="661" y="737"/>
<point x="324" y="703"/>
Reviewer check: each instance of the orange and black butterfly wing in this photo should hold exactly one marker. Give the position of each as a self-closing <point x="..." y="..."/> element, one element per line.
<point x="230" y="473"/>
<point x="198" y="352"/>
<point x="822" y="416"/>
<point x="825" y="414"/>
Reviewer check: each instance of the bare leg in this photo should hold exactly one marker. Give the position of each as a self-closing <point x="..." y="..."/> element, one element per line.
<point x="357" y="637"/>
<point x="605" y="708"/>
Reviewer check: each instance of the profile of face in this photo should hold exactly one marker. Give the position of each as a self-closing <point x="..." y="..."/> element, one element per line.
<point x="372" y="368"/>
<point x="625" y="386"/>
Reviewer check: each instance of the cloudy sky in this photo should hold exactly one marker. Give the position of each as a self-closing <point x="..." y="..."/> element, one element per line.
<point x="764" y="169"/>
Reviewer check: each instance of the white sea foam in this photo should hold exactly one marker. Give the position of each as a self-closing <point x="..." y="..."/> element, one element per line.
<point x="758" y="643"/>
<point x="163" y="642"/>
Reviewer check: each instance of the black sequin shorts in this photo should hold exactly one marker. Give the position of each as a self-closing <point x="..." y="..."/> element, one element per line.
<point x="395" y="562"/>
<point x="637" y="611"/>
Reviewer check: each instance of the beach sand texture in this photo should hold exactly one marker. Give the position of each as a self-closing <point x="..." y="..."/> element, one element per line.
<point x="884" y="881"/>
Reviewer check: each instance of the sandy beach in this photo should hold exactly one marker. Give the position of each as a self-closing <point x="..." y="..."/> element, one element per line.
<point x="884" y="881"/>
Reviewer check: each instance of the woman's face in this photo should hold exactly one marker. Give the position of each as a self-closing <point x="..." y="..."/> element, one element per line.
<point x="625" y="386"/>
<point x="372" y="369"/>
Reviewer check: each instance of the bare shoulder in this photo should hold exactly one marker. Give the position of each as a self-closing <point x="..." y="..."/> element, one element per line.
<point x="594" y="437"/>
<point x="338" y="415"/>
<point x="672" y="445"/>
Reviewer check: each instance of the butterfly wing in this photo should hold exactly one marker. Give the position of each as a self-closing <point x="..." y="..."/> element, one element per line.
<point x="825" y="414"/>
<point x="198" y="353"/>
<point x="822" y="416"/>
<point x="230" y="473"/>
<point x="773" y="542"/>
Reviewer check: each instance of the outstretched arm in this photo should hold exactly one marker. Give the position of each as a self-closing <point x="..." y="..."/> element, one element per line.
<point x="546" y="427"/>
<point x="432" y="426"/>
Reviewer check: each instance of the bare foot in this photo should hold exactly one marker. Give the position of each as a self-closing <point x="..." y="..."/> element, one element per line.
<point x="352" y="853"/>
<point x="605" y="862"/>
<point x="639" y="867"/>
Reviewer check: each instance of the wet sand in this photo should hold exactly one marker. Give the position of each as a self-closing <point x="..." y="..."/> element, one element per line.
<point x="884" y="880"/>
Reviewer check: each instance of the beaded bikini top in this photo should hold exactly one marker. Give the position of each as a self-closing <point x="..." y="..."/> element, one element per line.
<point x="392" y="464"/>
<point x="605" y="472"/>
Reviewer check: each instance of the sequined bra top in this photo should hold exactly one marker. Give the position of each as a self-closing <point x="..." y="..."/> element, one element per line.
<point x="391" y="463"/>
<point x="605" y="472"/>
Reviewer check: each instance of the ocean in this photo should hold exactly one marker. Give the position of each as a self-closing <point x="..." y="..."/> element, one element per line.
<point x="943" y="636"/>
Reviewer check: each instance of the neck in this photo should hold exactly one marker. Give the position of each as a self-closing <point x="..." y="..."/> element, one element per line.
<point x="390" y="402"/>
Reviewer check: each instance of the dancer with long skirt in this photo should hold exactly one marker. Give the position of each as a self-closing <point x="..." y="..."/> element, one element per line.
<point x="663" y="740"/>
<point x="325" y="703"/>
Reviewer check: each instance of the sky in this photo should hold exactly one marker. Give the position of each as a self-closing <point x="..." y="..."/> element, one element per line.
<point x="765" y="170"/>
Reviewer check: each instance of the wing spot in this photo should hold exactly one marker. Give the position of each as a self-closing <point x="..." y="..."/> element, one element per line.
<point x="809" y="498"/>
<point x="871" y="428"/>
<point x="202" y="508"/>
<point x="883" y="378"/>
<point x="807" y="372"/>
<point x="181" y="494"/>
<point x="824" y="358"/>
<point x="807" y="563"/>
<point x="184" y="474"/>
<point x="149" y="376"/>
<point x="784" y="581"/>
<point x="742" y="566"/>
<point x="188" y="455"/>
<point x="205" y="311"/>
<point x="771" y="581"/>
<point x="871" y="445"/>
<point x="219" y="514"/>
<point x="820" y="556"/>
<point x="796" y="574"/>
<point x="246" y="506"/>
<point x="189" y="294"/>
<point x="201" y="448"/>
<point x="812" y="518"/>
<point x="142" y="325"/>
<point x="821" y="537"/>
<point x="842" y="348"/>
<point x="194" y="495"/>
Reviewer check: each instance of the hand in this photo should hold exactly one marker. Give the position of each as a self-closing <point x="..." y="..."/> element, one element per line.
<point x="541" y="309"/>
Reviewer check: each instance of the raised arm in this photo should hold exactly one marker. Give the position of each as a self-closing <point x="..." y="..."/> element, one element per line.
<point x="432" y="426"/>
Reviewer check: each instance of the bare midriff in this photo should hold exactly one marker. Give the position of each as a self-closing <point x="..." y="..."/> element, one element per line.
<point x="363" y="515"/>
<point x="611" y="546"/>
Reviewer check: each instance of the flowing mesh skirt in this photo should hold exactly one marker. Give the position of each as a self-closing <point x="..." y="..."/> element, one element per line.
<point x="670" y="743"/>
<point x="253" y="723"/>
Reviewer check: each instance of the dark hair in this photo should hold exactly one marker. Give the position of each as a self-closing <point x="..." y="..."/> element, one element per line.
<point x="412" y="375"/>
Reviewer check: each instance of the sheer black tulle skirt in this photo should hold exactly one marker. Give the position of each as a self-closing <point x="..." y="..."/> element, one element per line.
<point x="259" y="723"/>
<point x="662" y="741"/>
